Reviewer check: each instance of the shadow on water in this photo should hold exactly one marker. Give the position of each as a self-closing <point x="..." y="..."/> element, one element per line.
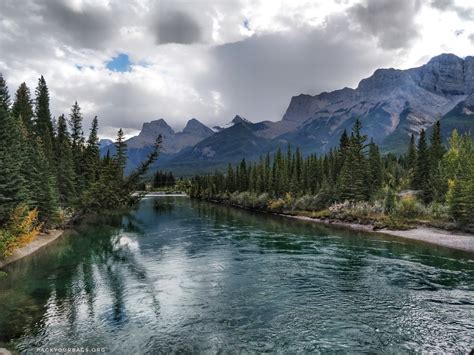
<point x="75" y="264"/>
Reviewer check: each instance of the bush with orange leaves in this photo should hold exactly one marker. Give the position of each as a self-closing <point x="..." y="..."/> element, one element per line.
<point x="22" y="228"/>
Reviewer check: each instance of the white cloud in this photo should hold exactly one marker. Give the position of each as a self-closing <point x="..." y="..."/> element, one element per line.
<point x="238" y="56"/>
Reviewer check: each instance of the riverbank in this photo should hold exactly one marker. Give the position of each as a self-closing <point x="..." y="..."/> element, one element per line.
<point x="40" y="241"/>
<point x="450" y="239"/>
<point x="453" y="240"/>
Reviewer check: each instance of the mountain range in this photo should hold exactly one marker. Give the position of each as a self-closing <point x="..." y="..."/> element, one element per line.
<point x="392" y="104"/>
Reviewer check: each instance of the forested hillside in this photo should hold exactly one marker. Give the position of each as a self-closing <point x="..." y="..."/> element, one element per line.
<point x="354" y="181"/>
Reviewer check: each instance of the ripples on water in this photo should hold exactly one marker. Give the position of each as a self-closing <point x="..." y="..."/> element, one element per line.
<point x="196" y="277"/>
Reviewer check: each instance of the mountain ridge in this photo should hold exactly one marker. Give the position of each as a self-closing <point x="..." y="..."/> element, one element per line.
<point x="392" y="104"/>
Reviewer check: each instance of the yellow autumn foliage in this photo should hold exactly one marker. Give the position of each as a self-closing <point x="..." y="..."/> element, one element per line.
<point x="21" y="230"/>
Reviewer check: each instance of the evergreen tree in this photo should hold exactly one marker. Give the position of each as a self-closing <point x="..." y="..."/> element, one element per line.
<point x="411" y="155"/>
<point x="12" y="189"/>
<point x="91" y="156"/>
<point x="121" y="152"/>
<point x="438" y="184"/>
<point x="43" y="123"/>
<point x="374" y="177"/>
<point x="4" y="95"/>
<point x="422" y="168"/>
<point x="47" y="199"/>
<point x="23" y="107"/>
<point x="77" y="144"/>
<point x="353" y="177"/>
<point x="65" y="174"/>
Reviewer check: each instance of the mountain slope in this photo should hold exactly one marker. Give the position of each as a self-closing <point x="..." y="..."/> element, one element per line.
<point x="391" y="104"/>
<point x="461" y="117"/>
<point x="140" y="146"/>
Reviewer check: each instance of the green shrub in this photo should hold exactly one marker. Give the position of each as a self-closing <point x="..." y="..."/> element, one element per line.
<point x="276" y="205"/>
<point x="389" y="201"/>
<point x="439" y="211"/>
<point x="409" y="207"/>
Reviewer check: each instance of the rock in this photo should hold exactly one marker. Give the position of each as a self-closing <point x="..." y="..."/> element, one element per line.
<point x="391" y="104"/>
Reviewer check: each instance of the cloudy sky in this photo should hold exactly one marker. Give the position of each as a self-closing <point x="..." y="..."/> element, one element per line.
<point x="138" y="60"/>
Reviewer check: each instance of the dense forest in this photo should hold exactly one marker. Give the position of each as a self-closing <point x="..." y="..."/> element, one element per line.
<point x="163" y="179"/>
<point x="50" y="172"/>
<point x="431" y="183"/>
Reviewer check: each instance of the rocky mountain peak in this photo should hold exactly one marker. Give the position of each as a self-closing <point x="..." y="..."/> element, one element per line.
<point x="194" y="126"/>
<point x="104" y="142"/>
<point x="156" y="127"/>
<point x="238" y="119"/>
<point x="448" y="74"/>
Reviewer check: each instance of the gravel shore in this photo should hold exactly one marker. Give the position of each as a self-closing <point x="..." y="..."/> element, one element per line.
<point x="454" y="240"/>
<point x="40" y="241"/>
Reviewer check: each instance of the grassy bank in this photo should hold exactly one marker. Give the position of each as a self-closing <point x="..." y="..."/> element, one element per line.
<point x="406" y="212"/>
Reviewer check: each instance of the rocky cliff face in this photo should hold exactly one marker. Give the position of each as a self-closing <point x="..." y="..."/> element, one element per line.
<point x="193" y="132"/>
<point x="391" y="103"/>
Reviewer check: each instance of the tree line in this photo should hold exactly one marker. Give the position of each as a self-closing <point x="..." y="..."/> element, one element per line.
<point x="355" y="171"/>
<point x="49" y="169"/>
<point x="163" y="179"/>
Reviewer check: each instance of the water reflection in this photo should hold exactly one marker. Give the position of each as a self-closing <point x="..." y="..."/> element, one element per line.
<point x="176" y="275"/>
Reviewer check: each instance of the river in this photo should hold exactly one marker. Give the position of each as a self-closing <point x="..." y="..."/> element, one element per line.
<point x="177" y="275"/>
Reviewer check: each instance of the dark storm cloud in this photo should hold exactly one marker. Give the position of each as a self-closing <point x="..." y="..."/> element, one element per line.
<point x="450" y="5"/>
<point x="258" y="76"/>
<point x="391" y="22"/>
<point x="88" y="28"/>
<point x="177" y="27"/>
<point x="55" y="20"/>
<point x="181" y="21"/>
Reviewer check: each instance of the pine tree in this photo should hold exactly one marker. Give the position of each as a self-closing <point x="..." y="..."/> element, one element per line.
<point x="43" y="123"/>
<point x="4" y="95"/>
<point x="91" y="156"/>
<point x="121" y="152"/>
<point x="411" y="155"/>
<point x="23" y="107"/>
<point x="12" y="184"/>
<point x="65" y="174"/>
<point x="422" y="168"/>
<point x="374" y="177"/>
<point x="47" y="199"/>
<point x="353" y="177"/>
<point x="438" y="184"/>
<point x="243" y="178"/>
<point x="77" y="144"/>
<point x="230" y="179"/>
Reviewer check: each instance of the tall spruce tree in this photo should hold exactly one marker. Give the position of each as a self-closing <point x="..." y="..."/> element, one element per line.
<point x="4" y="95"/>
<point x="43" y="123"/>
<point x="65" y="173"/>
<point x="77" y="143"/>
<point x="23" y="107"/>
<point x="374" y="176"/>
<point x="47" y="199"/>
<point x="121" y="153"/>
<point x="411" y="155"/>
<point x="91" y="157"/>
<point x="438" y="184"/>
<point x="422" y="168"/>
<point x="353" y="177"/>
<point x="12" y="187"/>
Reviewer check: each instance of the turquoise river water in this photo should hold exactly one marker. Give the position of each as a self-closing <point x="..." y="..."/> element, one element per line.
<point x="183" y="276"/>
